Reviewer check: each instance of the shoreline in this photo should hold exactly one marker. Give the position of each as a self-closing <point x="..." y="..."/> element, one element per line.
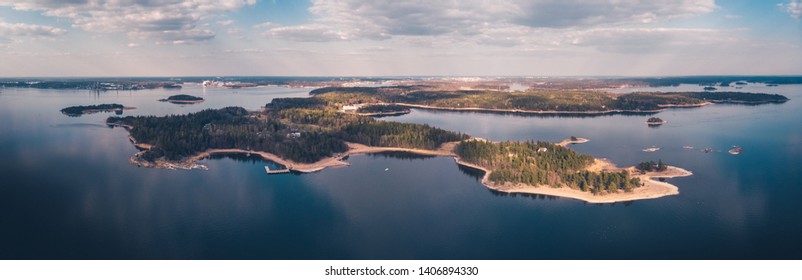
<point x="651" y="188"/>
<point x="534" y="112"/>
<point x="334" y="161"/>
<point x="385" y="114"/>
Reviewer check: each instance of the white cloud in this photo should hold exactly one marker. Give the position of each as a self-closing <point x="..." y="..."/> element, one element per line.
<point x="484" y="20"/>
<point x="794" y="7"/>
<point x="162" y="20"/>
<point x="11" y="32"/>
<point x="29" y="30"/>
<point x="634" y="40"/>
<point x="306" y="33"/>
<point x="573" y="13"/>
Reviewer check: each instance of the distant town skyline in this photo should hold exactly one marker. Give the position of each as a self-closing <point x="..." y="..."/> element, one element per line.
<point x="399" y="38"/>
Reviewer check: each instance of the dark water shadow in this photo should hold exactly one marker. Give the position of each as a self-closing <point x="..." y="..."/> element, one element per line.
<point x="531" y="196"/>
<point x="474" y="173"/>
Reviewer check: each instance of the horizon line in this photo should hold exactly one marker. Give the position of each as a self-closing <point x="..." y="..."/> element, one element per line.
<point x="405" y="76"/>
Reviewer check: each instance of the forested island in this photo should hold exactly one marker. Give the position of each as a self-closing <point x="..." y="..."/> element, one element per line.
<point x="655" y="121"/>
<point x="535" y="101"/>
<point x="76" y="111"/>
<point x="182" y="98"/>
<point x="309" y="134"/>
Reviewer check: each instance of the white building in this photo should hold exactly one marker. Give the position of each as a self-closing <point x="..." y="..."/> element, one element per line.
<point x="350" y="108"/>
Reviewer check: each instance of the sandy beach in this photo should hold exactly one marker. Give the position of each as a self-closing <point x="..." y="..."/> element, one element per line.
<point x="139" y="145"/>
<point x="567" y="142"/>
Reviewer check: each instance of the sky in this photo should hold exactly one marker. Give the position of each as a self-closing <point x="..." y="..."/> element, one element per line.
<point x="74" y="38"/>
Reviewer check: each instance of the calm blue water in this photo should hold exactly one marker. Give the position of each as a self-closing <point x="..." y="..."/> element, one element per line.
<point x="67" y="190"/>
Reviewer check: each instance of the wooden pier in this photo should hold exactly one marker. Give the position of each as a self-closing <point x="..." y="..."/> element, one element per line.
<point x="285" y="170"/>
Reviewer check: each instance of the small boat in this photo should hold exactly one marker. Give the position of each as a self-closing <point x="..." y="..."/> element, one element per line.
<point x="688" y="147"/>
<point x="652" y="149"/>
<point x="707" y="150"/>
<point x="386" y="169"/>
<point x="736" y="150"/>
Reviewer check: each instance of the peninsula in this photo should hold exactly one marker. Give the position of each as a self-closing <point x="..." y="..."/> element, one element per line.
<point x="541" y="101"/>
<point x="310" y="134"/>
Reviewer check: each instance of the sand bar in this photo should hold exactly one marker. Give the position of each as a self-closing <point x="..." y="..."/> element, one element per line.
<point x="566" y="142"/>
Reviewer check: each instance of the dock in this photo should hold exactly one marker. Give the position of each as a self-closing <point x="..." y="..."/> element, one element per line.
<point x="279" y="171"/>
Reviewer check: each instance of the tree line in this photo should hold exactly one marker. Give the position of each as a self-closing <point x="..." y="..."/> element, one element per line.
<point x="532" y="100"/>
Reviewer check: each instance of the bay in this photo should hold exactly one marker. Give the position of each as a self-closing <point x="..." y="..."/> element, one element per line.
<point x="69" y="192"/>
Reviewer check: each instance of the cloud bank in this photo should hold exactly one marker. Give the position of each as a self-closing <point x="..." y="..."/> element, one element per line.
<point x="498" y="22"/>
<point x="174" y="21"/>
<point x="11" y="31"/>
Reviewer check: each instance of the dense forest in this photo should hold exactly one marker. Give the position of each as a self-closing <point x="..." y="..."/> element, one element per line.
<point x="393" y="134"/>
<point x="177" y="136"/>
<point x="278" y="104"/>
<point x="384" y="108"/>
<point x="298" y="134"/>
<point x="533" y="100"/>
<point x="74" y="111"/>
<point x="542" y="163"/>
<point x="650" y="166"/>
